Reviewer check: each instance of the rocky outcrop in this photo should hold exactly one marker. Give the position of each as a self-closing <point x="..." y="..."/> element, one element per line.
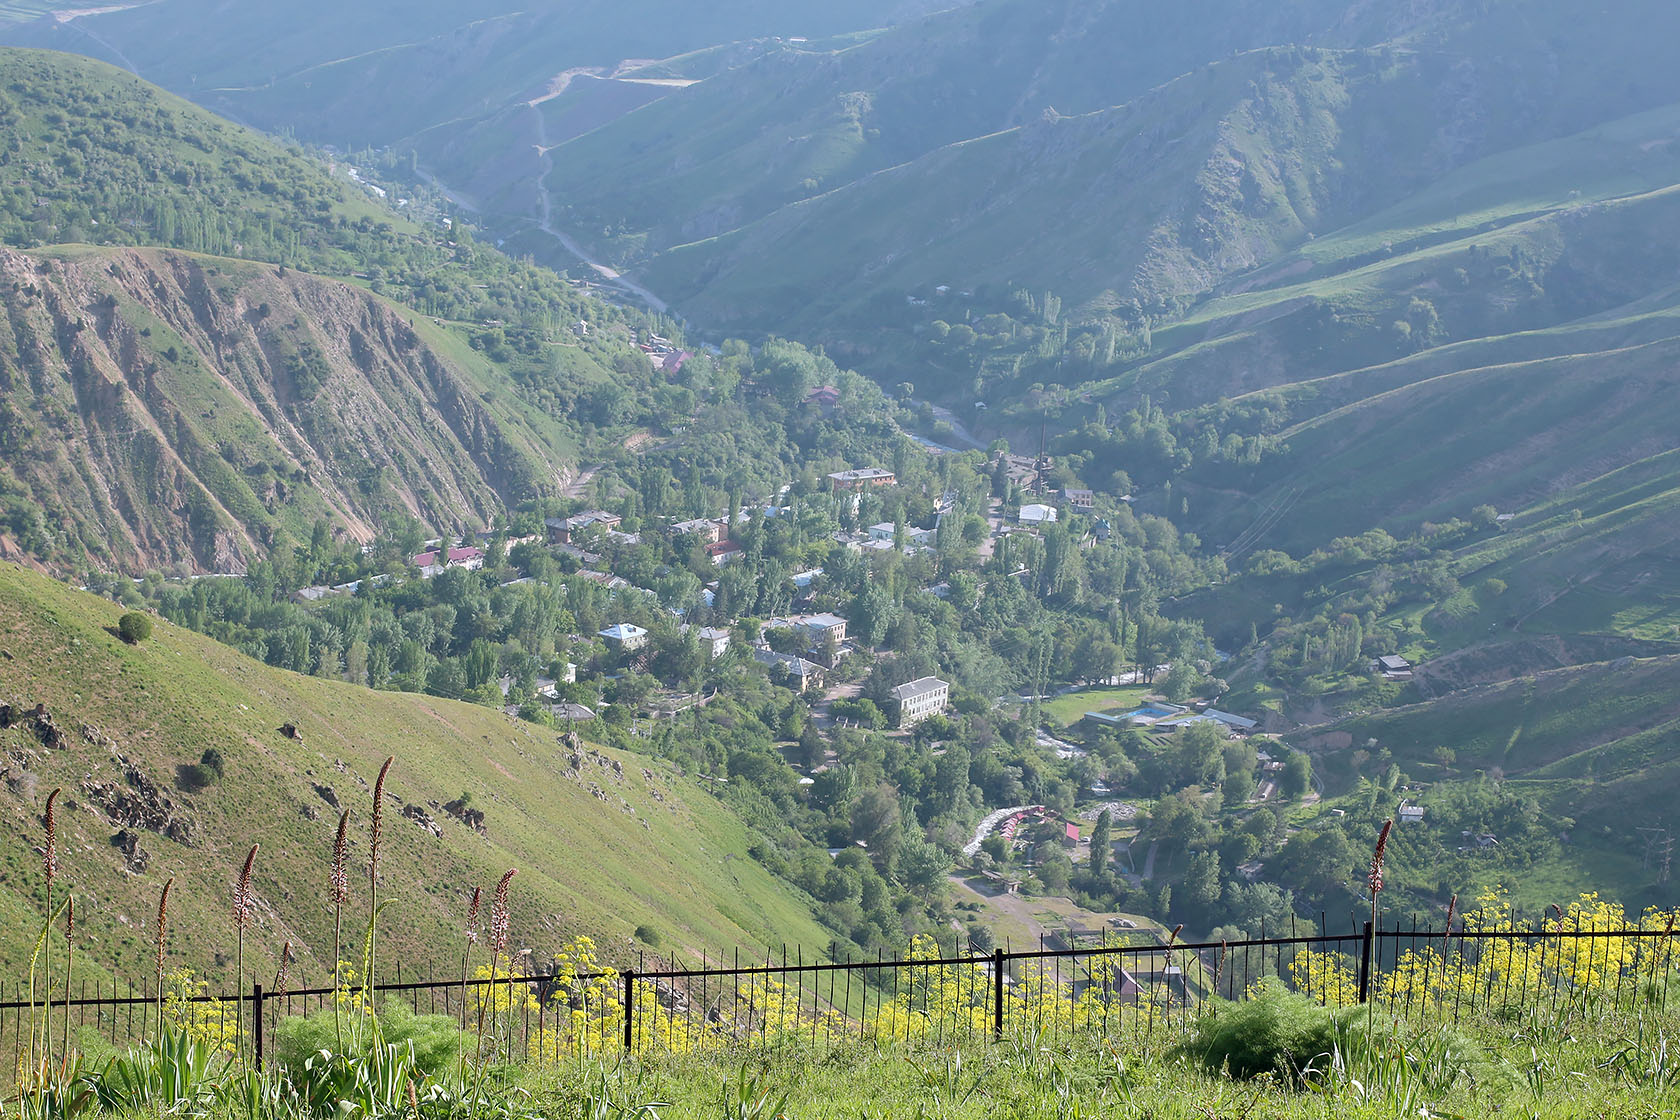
<point x="139" y="803"/>
<point x="161" y="409"/>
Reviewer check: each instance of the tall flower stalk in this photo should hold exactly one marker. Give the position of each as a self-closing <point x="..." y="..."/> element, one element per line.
<point x="340" y="882"/>
<point x="280" y="976"/>
<point x="1375" y="882"/>
<point x="375" y="829"/>
<point x="471" y="936"/>
<point x="241" y="918"/>
<point x="162" y="932"/>
<point x="499" y="924"/>
<point x="69" y="964"/>
<point x="49" y="861"/>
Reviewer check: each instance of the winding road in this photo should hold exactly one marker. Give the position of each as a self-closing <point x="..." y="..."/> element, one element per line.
<point x="545" y="223"/>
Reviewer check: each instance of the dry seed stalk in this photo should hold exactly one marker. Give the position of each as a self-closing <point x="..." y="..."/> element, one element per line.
<point x="162" y="928"/>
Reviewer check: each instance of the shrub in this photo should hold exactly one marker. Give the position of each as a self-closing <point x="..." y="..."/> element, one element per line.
<point x="1278" y="1031"/>
<point x="649" y="936"/>
<point x="436" y="1038"/>
<point x="134" y="627"/>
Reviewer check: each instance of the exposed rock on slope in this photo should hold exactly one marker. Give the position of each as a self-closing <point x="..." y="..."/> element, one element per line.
<point x="159" y="408"/>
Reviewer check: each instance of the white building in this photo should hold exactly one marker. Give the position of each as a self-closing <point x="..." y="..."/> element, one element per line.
<point x="1037" y="514"/>
<point x="625" y="636"/>
<point x="715" y="640"/>
<point x="919" y="699"/>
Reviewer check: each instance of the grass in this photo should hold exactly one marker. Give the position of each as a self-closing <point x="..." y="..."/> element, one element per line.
<point x="652" y="850"/>
<point x="1069" y="708"/>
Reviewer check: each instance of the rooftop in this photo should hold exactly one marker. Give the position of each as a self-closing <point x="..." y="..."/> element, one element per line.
<point x="915" y="688"/>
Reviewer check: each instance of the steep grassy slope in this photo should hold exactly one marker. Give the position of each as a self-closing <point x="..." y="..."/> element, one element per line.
<point x="602" y="844"/>
<point x="160" y="408"/>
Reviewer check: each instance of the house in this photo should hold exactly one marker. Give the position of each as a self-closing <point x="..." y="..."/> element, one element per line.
<point x="575" y="713"/>
<point x="920" y="699"/>
<point x="1410" y="814"/>
<point x="714" y="640"/>
<point x="560" y="529"/>
<point x="1393" y="667"/>
<point x="802" y="674"/>
<point x="708" y="530"/>
<point x="1102" y="530"/>
<point x="825" y="397"/>
<point x="625" y="636"/>
<point x="1070" y="834"/>
<point x="435" y="561"/>
<point x="819" y="628"/>
<point x="861" y="479"/>
<point x="804" y="580"/>
<point x="816" y="630"/>
<point x="1033" y="513"/>
<point x="1078" y="499"/>
<point x="885" y="531"/>
<point x="472" y="559"/>
<point x="722" y="552"/>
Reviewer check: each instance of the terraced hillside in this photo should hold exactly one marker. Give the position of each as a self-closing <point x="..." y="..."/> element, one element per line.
<point x="604" y="842"/>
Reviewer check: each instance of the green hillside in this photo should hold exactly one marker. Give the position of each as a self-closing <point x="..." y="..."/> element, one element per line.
<point x="179" y="409"/>
<point x="604" y="843"/>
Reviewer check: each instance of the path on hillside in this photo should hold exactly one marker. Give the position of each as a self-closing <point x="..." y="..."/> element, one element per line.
<point x="546" y="224"/>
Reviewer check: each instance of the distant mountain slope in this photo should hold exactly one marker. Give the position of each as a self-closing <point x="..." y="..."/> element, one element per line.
<point x="369" y="73"/>
<point x="160" y="409"/>
<point x="603" y="842"/>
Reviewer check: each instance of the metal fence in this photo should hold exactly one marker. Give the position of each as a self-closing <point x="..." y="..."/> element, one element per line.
<point x="937" y="994"/>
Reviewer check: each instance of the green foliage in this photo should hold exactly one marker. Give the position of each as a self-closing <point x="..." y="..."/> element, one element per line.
<point x="135" y="627"/>
<point x="431" y="1043"/>
<point x="173" y="1072"/>
<point x="1277" y="1032"/>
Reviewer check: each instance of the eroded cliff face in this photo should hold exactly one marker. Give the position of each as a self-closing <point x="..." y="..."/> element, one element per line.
<point x="160" y="409"/>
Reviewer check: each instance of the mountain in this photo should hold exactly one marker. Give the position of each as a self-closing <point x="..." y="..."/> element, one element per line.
<point x="604" y="842"/>
<point x="163" y="409"/>
<point x="232" y="360"/>
<point x="366" y="75"/>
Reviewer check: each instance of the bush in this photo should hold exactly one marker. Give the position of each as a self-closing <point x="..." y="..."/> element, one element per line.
<point x="436" y="1038"/>
<point x="1290" y="1034"/>
<point x="134" y="627"/>
<point x="648" y="936"/>
<point x="1276" y="1032"/>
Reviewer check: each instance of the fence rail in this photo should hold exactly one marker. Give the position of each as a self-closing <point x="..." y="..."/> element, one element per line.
<point x="936" y="993"/>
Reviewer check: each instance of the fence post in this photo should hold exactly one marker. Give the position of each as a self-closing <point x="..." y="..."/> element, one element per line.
<point x="997" y="992"/>
<point x="257" y="1021"/>
<point x="629" y="1008"/>
<point x="1365" y="964"/>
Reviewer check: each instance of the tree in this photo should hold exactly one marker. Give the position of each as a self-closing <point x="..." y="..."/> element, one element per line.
<point x="1100" y="844"/>
<point x="1297" y="776"/>
<point x="134" y="627"/>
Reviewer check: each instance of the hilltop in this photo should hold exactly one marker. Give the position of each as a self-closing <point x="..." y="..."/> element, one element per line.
<point x="605" y="842"/>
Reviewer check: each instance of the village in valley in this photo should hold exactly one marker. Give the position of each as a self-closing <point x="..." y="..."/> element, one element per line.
<point x="693" y="609"/>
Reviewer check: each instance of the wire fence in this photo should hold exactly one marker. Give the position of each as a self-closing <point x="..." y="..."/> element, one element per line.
<point x="936" y="994"/>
